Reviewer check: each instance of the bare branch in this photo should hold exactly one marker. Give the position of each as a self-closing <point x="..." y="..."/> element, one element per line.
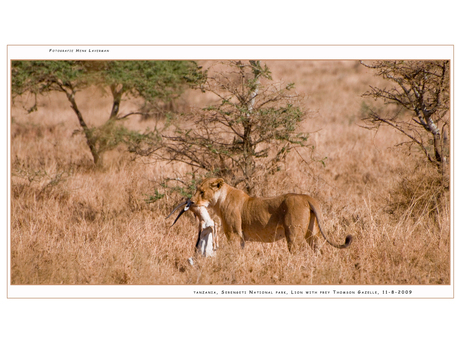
<point x="133" y="113"/>
<point x="422" y="87"/>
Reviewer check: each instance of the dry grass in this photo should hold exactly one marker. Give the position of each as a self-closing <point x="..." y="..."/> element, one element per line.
<point x="74" y="224"/>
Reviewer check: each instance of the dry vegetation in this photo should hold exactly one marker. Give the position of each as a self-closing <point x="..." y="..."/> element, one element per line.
<point x="74" y="224"/>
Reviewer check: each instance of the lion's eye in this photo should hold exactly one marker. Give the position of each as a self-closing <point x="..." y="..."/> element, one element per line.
<point x="202" y="193"/>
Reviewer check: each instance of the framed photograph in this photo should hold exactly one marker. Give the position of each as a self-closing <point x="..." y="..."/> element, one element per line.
<point x="300" y="171"/>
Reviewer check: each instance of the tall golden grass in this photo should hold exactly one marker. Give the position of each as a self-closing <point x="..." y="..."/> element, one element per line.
<point x="72" y="223"/>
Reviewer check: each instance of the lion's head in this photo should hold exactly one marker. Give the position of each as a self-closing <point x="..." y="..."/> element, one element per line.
<point x="208" y="192"/>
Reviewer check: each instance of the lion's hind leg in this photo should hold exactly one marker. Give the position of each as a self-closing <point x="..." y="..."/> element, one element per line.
<point x="312" y="233"/>
<point x="295" y="231"/>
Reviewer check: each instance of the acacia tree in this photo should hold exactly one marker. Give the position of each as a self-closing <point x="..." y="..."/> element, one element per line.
<point x="422" y="89"/>
<point x="249" y="129"/>
<point x="154" y="81"/>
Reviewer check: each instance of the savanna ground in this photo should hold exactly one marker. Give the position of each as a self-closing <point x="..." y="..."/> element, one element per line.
<point x="72" y="223"/>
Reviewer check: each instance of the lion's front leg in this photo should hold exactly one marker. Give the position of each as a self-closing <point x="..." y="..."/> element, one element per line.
<point x="233" y="231"/>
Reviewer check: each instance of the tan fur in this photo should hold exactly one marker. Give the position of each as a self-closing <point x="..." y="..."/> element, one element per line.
<point x="290" y="216"/>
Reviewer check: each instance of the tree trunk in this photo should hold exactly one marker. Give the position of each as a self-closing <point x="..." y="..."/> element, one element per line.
<point x="437" y="148"/>
<point x="248" y="156"/>
<point x="248" y="146"/>
<point x="97" y="158"/>
<point x="117" y="92"/>
<point x="441" y="158"/>
<point x="437" y="141"/>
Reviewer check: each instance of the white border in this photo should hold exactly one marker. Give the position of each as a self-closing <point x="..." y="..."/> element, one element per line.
<point x="205" y="52"/>
<point x="231" y="291"/>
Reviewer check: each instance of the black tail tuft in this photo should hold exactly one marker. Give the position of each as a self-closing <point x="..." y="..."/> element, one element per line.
<point x="348" y="241"/>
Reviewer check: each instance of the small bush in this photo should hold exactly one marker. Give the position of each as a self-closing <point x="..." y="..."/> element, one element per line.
<point x="420" y="195"/>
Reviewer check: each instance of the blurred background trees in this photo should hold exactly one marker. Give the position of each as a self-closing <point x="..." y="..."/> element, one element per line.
<point x="156" y="82"/>
<point x="419" y="90"/>
<point x="246" y="132"/>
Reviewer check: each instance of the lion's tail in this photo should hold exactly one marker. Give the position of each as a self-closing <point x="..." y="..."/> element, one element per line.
<point x="348" y="239"/>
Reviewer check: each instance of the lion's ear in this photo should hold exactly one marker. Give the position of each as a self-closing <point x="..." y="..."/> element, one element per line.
<point x="217" y="184"/>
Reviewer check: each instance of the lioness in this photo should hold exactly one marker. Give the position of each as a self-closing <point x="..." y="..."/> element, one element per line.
<point x="290" y="216"/>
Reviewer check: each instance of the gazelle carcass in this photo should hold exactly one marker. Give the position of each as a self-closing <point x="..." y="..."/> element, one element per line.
<point x="206" y="243"/>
